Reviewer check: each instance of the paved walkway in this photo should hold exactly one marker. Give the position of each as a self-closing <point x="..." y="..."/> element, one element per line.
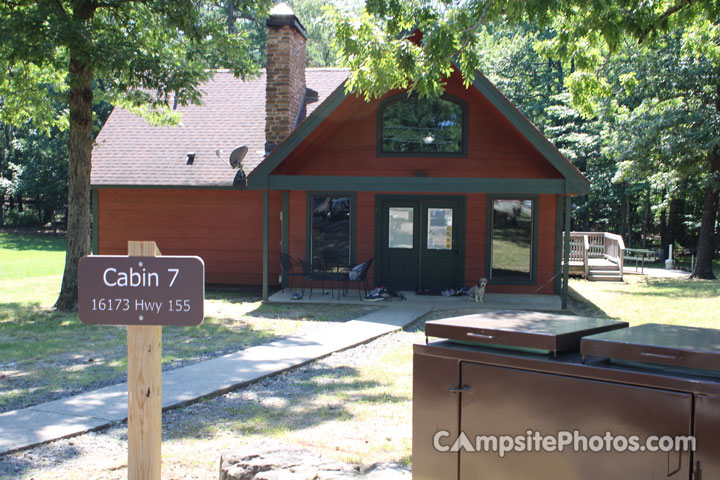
<point x="656" y="272"/>
<point x="71" y="416"/>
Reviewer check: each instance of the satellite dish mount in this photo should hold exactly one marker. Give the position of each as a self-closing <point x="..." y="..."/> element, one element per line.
<point x="237" y="156"/>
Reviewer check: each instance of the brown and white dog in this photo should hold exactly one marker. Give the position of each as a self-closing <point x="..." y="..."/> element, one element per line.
<point x="477" y="292"/>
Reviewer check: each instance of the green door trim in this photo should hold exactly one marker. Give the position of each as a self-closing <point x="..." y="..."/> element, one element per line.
<point x="460" y="227"/>
<point x="421" y="185"/>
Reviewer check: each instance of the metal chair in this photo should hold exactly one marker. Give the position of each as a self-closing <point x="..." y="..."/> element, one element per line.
<point x="312" y="275"/>
<point x="361" y="276"/>
<point x="288" y="269"/>
<point x="331" y="261"/>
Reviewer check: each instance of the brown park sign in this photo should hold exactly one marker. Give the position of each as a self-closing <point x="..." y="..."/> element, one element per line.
<point x="122" y="290"/>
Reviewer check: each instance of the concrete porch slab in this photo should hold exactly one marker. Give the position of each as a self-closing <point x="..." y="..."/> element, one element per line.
<point x="493" y="301"/>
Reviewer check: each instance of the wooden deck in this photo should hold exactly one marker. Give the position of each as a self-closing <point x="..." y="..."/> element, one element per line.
<point x="597" y="256"/>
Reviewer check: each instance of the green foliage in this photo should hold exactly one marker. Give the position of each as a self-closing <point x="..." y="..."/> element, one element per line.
<point x="318" y="19"/>
<point x="377" y="47"/>
<point x="149" y="55"/>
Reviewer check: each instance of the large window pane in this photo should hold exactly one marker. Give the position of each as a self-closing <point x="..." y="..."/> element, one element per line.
<point x="330" y="238"/>
<point x="422" y="125"/>
<point x="400" y="227"/>
<point x="440" y="229"/>
<point x="512" y="233"/>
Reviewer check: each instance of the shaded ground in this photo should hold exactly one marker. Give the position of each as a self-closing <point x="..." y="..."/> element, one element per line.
<point x="353" y="406"/>
<point x="46" y="355"/>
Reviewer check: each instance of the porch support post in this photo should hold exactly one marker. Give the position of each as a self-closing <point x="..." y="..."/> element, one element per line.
<point x="285" y="230"/>
<point x="266" y="243"/>
<point x="566" y="254"/>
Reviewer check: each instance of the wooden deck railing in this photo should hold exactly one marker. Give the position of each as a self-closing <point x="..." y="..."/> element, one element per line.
<point x="615" y="250"/>
<point x="589" y="245"/>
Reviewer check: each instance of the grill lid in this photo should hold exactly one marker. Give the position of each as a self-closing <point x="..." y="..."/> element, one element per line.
<point x="672" y="345"/>
<point x="513" y="328"/>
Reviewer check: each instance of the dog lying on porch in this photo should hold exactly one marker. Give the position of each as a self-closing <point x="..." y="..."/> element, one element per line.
<point x="477" y="292"/>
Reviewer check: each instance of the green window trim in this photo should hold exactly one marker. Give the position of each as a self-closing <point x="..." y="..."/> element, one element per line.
<point x="309" y="224"/>
<point x="534" y="239"/>
<point x="402" y="96"/>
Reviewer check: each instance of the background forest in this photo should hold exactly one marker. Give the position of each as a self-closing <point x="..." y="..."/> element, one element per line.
<point x="641" y="136"/>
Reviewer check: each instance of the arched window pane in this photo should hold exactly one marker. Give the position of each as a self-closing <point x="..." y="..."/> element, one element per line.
<point x="422" y="125"/>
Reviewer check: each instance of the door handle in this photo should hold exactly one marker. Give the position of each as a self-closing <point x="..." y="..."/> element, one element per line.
<point x="481" y="335"/>
<point x="679" y="463"/>
<point x="660" y="355"/>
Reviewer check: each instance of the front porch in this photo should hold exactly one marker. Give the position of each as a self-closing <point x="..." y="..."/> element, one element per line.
<point x="493" y="301"/>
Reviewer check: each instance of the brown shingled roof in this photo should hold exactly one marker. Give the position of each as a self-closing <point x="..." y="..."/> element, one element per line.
<point x="130" y="151"/>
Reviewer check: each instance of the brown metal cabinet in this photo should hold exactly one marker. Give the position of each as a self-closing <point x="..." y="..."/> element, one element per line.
<point x="508" y="401"/>
<point x="479" y="389"/>
<point x="707" y="435"/>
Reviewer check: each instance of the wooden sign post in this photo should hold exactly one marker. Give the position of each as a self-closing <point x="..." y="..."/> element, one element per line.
<point x="144" y="369"/>
<point x="144" y="291"/>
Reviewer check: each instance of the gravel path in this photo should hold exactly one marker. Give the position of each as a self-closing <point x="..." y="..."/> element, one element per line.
<point x="353" y="406"/>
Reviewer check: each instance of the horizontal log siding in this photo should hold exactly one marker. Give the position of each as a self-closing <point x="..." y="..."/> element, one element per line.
<point x="223" y="227"/>
<point x="298" y="224"/>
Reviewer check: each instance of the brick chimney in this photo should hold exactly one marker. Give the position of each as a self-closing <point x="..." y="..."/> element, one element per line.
<point x="285" y="89"/>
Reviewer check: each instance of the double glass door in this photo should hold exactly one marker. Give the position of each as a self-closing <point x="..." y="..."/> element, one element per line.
<point x="420" y="243"/>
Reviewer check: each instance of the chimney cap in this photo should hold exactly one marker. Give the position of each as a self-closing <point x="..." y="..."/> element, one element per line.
<point x="282" y="15"/>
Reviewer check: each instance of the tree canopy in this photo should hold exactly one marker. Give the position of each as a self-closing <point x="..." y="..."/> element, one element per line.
<point x="146" y="56"/>
<point x="647" y="70"/>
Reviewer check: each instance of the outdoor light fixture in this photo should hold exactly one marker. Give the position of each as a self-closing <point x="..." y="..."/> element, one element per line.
<point x="190" y="158"/>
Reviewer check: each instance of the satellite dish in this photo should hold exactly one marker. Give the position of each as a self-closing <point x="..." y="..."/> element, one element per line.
<point x="237" y="156"/>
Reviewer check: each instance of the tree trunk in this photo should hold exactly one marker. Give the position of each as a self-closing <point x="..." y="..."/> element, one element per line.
<point x="230" y="8"/>
<point x="80" y="98"/>
<point x="646" y="223"/>
<point x="706" y="251"/>
<point x="671" y="229"/>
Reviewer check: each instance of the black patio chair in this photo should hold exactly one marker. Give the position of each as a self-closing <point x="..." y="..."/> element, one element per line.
<point x="314" y="276"/>
<point x="331" y="261"/>
<point x="289" y="266"/>
<point x="360" y="277"/>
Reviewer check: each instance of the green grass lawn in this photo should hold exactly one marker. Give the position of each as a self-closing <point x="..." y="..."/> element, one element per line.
<point x="31" y="269"/>
<point x="45" y="354"/>
<point x="644" y="299"/>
